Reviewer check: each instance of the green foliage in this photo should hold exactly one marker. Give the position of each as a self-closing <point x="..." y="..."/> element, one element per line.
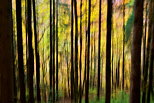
<point x="129" y="27"/>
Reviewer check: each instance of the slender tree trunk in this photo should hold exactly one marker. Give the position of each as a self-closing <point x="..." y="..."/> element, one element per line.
<point x="20" y="51"/>
<point x="72" y="69"/>
<point x="123" y="64"/>
<point x="51" y="46"/>
<point x="57" y="49"/>
<point x="136" y="53"/>
<point x="68" y="80"/>
<point x="151" y="59"/>
<point x="98" y="83"/>
<point x="87" y="82"/>
<point x="31" y="56"/>
<point x="6" y="59"/>
<point x="144" y="39"/>
<point x="37" y="55"/>
<point x="91" y="65"/>
<point x="145" y="71"/>
<point x="108" y="53"/>
<point x="94" y="61"/>
<point x="53" y="51"/>
<point x="76" y="53"/>
<point x="80" y="98"/>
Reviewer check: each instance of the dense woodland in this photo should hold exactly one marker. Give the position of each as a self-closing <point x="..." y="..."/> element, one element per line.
<point x="73" y="51"/>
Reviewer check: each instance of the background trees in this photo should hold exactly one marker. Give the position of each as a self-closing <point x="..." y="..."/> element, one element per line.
<point x="59" y="67"/>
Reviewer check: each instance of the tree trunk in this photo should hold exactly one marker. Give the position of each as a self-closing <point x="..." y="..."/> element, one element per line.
<point x="152" y="58"/>
<point x="136" y="53"/>
<point x="145" y="71"/>
<point x="87" y="82"/>
<point x="123" y="64"/>
<point x="20" y="51"/>
<point x="37" y="55"/>
<point x="80" y="98"/>
<point x="108" y="53"/>
<point x="31" y="56"/>
<point x="6" y="59"/>
<point x="76" y="52"/>
<point x="51" y="46"/>
<point x="57" y="49"/>
<point x="53" y="51"/>
<point x="98" y="83"/>
<point x="72" y="69"/>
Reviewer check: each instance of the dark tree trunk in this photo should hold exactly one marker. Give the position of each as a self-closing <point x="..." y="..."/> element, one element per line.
<point x="37" y="55"/>
<point x="123" y="64"/>
<point x="87" y="82"/>
<point x="51" y="46"/>
<point x="57" y="49"/>
<point x="76" y="53"/>
<point x="136" y="53"/>
<point x="20" y="52"/>
<point x="108" y="53"/>
<point x="53" y="51"/>
<point x="94" y="62"/>
<point x="98" y="83"/>
<point x="118" y="73"/>
<point x="6" y="50"/>
<point x="72" y="69"/>
<point x="145" y="69"/>
<point x="80" y="98"/>
<point x="31" y="56"/>
<point x="151" y="59"/>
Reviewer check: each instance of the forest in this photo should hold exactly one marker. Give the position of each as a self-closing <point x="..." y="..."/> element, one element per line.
<point x="76" y="51"/>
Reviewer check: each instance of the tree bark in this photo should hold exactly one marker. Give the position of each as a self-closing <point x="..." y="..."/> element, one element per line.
<point x="87" y="82"/>
<point x="37" y="55"/>
<point x="31" y="56"/>
<point x="123" y="64"/>
<point x="20" y="51"/>
<point x="136" y="53"/>
<point x="151" y="59"/>
<point x="53" y="51"/>
<point x="80" y="98"/>
<point x="72" y="69"/>
<point x="57" y="48"/>
<point x="108" y="53"/>
<point x="99" y="40"/>
<point x="51" y="46"/>
<point x="6" y="50"/>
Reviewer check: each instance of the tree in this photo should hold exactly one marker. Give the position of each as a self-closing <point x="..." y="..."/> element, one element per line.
<point x="145" y="71"/>
<point x="123" y="64"/>
<point x="152" y="58"/>
<point x="53" y="51"/>
<point x="36" y="55"/>
<point x="136" y="53"/>
<point x="6" y="50"/>
<point x="30" y="70"/>
<point x="57" y="48"/>
<point x="80" y="98"/>
<point x="51" y="40"/>
<point x="76" y="52"/>
<point x="108" y="53"/>
<point x="20" y="52"/>
<point x="98" y="83"/>
<point x="72" y="69"/>
<point x="87" y="82"/>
